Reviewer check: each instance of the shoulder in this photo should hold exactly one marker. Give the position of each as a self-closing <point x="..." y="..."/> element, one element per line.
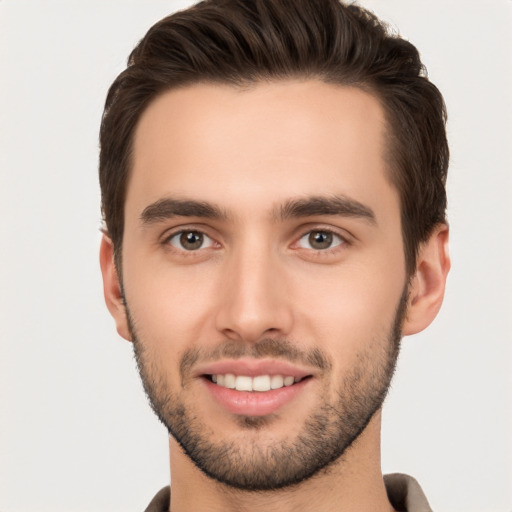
<point x="405" y="493"/>
<point x="161" y="501"/>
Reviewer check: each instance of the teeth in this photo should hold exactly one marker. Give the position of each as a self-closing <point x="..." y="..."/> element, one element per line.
<point x="261" y="383"/>
<point x="277" y="381"/>
<point x="288" y="381"/>
<point x="230" y="381"/>
<point x="258" y="383"/>
<point x="243" y="383"/>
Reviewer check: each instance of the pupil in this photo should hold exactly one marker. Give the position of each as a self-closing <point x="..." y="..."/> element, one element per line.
<point x="191" y="240"/>
<point x="320" y="240"/>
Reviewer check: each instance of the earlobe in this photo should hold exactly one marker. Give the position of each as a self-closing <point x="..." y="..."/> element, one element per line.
<point x="427" y="286"/>
<point x="112" y="288"/>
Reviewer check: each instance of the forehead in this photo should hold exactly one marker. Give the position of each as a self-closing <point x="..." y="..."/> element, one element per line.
<point x="258" y="145"/>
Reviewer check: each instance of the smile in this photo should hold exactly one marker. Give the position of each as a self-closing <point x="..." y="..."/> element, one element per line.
<point x="254" y="387"/>
<point x="259" y="383"/>
<point x="254" y="396"/>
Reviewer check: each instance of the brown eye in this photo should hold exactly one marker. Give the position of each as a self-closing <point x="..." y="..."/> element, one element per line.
<point x="190" y="240"/>
<point x="320" y="240"/>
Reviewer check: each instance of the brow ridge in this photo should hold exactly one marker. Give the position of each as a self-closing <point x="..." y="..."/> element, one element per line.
<point x="331" y="205"/>
<point x="168" y="208"/>
<point x="335" y="205"/>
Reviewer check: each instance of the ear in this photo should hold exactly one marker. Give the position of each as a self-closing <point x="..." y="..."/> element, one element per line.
<point x="112" y="288"/>
<point x="427" y="286"/>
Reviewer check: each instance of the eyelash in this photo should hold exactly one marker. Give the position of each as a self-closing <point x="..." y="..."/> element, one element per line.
<point x="330" y="233"/>
<point x="343" y="241"/>
<point x="167" y="240"/>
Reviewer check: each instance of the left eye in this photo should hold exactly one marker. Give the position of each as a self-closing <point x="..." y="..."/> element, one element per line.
<point x="320" y="240"/>
<point x="190" y="240"/>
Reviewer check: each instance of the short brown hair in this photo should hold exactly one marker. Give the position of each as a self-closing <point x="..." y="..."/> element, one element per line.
<point x="247" y="41"/>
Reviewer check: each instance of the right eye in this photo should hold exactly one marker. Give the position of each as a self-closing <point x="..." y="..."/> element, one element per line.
<point x="190" y="240"/>
<point x="320" y="240"/>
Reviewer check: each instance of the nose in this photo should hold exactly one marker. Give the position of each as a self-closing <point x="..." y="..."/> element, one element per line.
<point x="254" y="302"/>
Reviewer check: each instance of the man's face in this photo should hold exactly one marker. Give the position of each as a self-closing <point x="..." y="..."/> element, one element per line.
<point x="263" y="246"/>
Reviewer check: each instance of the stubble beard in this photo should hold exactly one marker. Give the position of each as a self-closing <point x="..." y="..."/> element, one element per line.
<point x="323" y="439"/>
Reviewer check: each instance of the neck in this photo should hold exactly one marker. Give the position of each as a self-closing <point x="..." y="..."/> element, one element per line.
<point x="354" y="482"/>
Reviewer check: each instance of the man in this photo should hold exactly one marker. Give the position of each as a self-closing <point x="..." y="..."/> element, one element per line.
<point x="272" y="178"/>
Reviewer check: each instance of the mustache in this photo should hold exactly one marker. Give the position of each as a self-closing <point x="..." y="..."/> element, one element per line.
<point x="265" y="348"/>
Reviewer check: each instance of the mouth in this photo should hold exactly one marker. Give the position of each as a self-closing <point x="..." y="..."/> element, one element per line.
<point x="254" y="387"/>
<point x="258" y="383"/>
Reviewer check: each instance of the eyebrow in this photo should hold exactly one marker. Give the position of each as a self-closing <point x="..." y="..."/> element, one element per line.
<point x="167" y="208"/>
<point x="332" y="205"/>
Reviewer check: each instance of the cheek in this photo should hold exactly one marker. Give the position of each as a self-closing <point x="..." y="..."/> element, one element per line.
<point x="346" y="311"/>
<point x="169" y="305"/>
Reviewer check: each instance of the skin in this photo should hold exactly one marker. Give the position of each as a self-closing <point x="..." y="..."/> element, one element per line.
<point x="249" y="152"/>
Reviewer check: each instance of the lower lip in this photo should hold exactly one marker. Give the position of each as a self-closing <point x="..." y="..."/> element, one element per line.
<point x="255" y="403"/>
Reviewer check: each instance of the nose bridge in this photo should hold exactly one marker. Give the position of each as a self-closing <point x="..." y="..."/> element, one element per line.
<point x="254" y="303"/>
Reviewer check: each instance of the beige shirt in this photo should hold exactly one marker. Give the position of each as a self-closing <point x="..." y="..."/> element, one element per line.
<point x="404" y="493"/>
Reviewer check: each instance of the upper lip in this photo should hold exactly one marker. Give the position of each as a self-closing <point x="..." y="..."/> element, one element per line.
<point x="252" y="368"/>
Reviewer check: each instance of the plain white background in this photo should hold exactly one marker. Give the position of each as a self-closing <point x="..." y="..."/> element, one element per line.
<point x="76" y="433"/>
